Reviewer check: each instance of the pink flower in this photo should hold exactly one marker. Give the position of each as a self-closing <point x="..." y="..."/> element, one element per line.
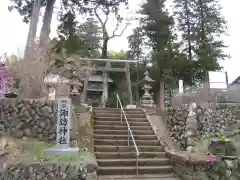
<point x="211" y="159"/>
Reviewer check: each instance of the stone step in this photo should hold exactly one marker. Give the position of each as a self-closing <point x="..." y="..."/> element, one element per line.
<point x="123" y="132"/>
<point x="133" y="162"/>
<point x="108" y="148"/>
<point x="121" y="170"/>
<point x="119" y="112"/>
<point x="125" y="142"/>
<point x="128" y="155"/>
<point x="117" y="109"/>
<point x="125" y="137"/>
<point x="115" y="157"/>
<point x="169" y="176"/>
<point x="117" y="117"/>
<point x="122" y="127"/>
<point x="119" y="123"/>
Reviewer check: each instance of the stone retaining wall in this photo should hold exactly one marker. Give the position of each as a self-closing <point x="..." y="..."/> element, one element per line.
<point x="192" y="166"/>
<point x="50" y="171"/>
<point x="29" y="118"/>
<point x="207" y="123"/>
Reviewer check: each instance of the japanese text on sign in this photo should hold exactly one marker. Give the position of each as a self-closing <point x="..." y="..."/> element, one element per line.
<point x="63" y="127"/>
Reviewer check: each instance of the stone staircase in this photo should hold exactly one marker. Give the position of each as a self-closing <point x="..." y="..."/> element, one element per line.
<point x="117" y="160"/>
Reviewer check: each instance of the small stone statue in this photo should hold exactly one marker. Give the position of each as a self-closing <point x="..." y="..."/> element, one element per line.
<point x="191" y="124"/>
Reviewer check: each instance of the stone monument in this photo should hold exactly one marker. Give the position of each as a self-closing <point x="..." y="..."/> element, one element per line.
<point x="147" y="100"/>
<point x="4" y="80"/>
<point x="64" y="116"/>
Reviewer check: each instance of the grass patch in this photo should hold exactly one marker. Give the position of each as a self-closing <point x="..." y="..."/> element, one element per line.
<point x="202" y="145"/>
<point x="31" y="150"/>
<point x="38" y="154"/>
<point x="236" y="138"/>
<point x="41" y="157"/>
<point x="236" y="142"/>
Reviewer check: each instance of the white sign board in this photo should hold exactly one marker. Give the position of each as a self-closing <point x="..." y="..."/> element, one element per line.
<point x="217" y="80"/>
<point x="180" y="88"/>
<point x="63" y="122"/>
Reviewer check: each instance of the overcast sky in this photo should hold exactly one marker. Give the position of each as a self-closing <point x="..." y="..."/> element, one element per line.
<point x="13" y="33"/>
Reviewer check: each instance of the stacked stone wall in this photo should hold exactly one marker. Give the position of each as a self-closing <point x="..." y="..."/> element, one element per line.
<point x="207" y="123"/>
<point x="50" y="171"/>
<point x="29" y="118"/>
<point x="192" y="166"/>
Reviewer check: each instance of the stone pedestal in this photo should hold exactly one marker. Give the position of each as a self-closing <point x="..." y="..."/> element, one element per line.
<point x="222" y="148"/>
<point x="131" y="106"/>
<point x="61" y="151"/>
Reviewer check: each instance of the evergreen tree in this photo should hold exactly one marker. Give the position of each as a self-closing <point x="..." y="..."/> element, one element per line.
<point x="77" y="38"/>
<point x="201" y="25"/>
<point x="157" y="25"/>
<point x="209" y="27"/>
<point x="136" y="42"/>
<point x="184" y="14"/>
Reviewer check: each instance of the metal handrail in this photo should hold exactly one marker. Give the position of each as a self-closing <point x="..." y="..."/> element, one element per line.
<point x="129" y="130"/>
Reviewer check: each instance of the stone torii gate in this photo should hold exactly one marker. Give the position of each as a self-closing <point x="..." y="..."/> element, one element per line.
<point x="105" y="71"/>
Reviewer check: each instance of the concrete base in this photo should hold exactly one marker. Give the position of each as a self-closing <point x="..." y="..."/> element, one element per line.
<point x="131" y="106"/>
<point x="61" y="151"/>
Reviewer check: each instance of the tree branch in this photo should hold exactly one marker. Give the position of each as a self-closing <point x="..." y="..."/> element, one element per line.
<point x="106" y="13"/>
<point x="103" y="23"/>
<point x="97" y="16"/>
<point x="115" y="30"/>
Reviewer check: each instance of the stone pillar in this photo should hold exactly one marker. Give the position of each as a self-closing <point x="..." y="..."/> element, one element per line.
<point x="105" y="86"/>
<point x="128" y="81"/>
<point x="85" y="87"/>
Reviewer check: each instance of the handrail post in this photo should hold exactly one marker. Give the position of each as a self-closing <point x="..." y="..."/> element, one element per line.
<point x="128" y="138"/>
<point x="121" y="115"/>
<point x="137" y="165"/>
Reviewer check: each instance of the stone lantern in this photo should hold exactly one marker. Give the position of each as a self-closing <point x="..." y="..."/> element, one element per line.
<point x="74" y="94"/>
<point x="75" y="88"/>
<point x="147" y="100"/>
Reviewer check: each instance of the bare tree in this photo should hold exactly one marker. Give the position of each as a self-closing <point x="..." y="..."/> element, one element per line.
<point x="107" y="10"/>
<point x="106" y="36"/>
